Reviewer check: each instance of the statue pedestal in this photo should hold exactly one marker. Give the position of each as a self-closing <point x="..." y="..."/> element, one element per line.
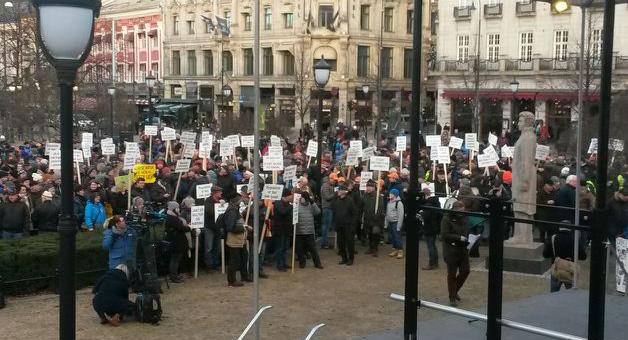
<point x="524" y="258"/>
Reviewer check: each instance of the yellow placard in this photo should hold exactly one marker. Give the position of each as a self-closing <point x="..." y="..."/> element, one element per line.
<point x="147" y="171"/>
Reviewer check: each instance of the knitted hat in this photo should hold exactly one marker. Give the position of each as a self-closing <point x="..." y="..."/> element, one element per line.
<point x="172" y="205"/>
<point x="394" y="192"/>
<point x="46" y="195"/>
<point x="507" y="177"/>
<point x="370" y="183"/>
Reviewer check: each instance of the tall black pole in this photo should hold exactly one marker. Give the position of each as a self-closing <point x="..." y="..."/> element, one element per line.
<point x="150" y="106"/>
<point x="319" y="132"/>
<point x="411" y="303"/>
<point x="111" y="116"/>
<point x="67" y="222"/>
<point x="597" y="279"/>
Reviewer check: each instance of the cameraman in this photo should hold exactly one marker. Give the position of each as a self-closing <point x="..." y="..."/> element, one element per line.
<point x="120" y="242"/>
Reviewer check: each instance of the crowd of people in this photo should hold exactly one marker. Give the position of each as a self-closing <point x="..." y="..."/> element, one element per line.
<point x="332" y="203"/>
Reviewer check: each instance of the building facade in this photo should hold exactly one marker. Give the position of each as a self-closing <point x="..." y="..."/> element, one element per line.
<point x="485" y="46"/>
<point x="200" y="62"/>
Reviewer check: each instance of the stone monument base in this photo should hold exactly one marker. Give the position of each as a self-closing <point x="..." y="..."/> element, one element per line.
<point x="524" y="258"/>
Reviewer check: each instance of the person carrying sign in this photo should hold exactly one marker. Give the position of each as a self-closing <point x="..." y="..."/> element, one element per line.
<point x="236" y="240"/>
<point x="373" y="220"/>
<point x="282" y="228"/>
<point x="306" y="239"/>
<point x="345" y="213"/>
<point x="211" y="232"/>
<point x="176" y="227"/>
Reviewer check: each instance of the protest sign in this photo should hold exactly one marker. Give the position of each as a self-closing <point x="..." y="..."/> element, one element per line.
<point x="106" y="141"/>
<point x="434" y="154"/>
<point x="290" y="173"/>
<point x="249" y="188"/>
<point x="219" y="209"/>
<point x="491" y="152"/>
<point x="593" y="146"/>
<point x="51" y="147"/>
<point x="197" y="217"/>
<point x="485" y="160"/>
<point x="183" y="165"/>
<point x="168" y="134"/>
<point x="616" y="145"/>
<point x="272" y="192"/>
<point x="455" y="142"/>
<point x="129" y="160"/>
<point x="443" y="155"/>
<point x="542" y="152"/>
<point x="296" y="200"/>
<point x="226" y="149"/>
<point x="275" y="141"/>
<point x="272" y="163"/>
<point x="401" y="143"/>
<point x="367" y="153"/>
<point x="275" y="151"/>
<point x="188" y="150"/>
<point x="87" y="153"/>
<point x="146" y="171"/>
<point x="108" y="149"/>
<point x="365" y="176"/>
<point x="492" y="139"/>
<point x="78" y="156"/>
<point x="432" y="140"/>
<point x="150" y="130"/>
<point x="353" y="157"/>
<point x="131" y="147"/>
<point x="621" y="276"/>
<point x="188" y="138"/>
<point x="357" y="144"/>
<point x="312" y="148"/>
<point x="380" y="163"/>
<point x="471" y="141"/>
<point x="121" y="182"/>
<point x="234" y="140"/>
<point x="204" y="149"/>
<point x="54" y="160"/>
<point x="507" y="151"/>
<point x="203" y="191"/>
<point x="87" y="138"/>
<point x="248" y="141"/>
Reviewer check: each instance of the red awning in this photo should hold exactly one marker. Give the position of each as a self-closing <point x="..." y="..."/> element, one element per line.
<point x="522" y="95"/>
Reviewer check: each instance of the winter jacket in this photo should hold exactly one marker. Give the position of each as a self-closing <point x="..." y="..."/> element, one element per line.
<point x="236" y="233"/>
<point x="561" y="245"/>
<point x="307" y="211"/>
<point x="94" y="214"/>
<point x="79" y="207"/>
<point x="395" y="212"/>
<point x="327" y="194"/>
<point x="176" y="229"/>
<point x="143" y="193"/>
<point x="618" y="216"/>
<point x="344" y="211"/>
<point x="118" y="203"/>
<point x="158" y="191"/>
<point x="368" y="209"/>
<point x="453" y="226"/>
<point x="15" y="217"/>
<point x="46" y="217"/>
<point x="112" y="292"/>
<point x="121" y="247"/>
<point x="282" y="218"/>
<point x="566" y="198"/>
<point x="431" y="218"/>
<point x="227" y="183"/>
<point x="210" y="217"/>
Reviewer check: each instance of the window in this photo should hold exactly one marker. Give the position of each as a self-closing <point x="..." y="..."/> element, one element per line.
<point x="153" y="41"/>
<point x="154" y="68"/>
<point x="387" y="59"/>
<point x="287" y="20"/>
<point x="388" y="19"/>
<point x="175" y="25"/>
<point x="561" y="39"/>
<point x="227" y="61"/>
<point x="493" y="47"/>
<point x="525" y="46"/>
<point x="325" y="15"/>
<point x="247" y="21"/>
<point x="176" y="63"/>
<point x="596" y="42"/>
<point x="191" y="27"/>
<point x="364" y="17"/>
<point x="288" y="63"/>
<point x="268" y="19"/>
<point x="208" y="63"/>
<point x="192" y="62"/>
<point x="363" y="61"/>
<point x="248" y="61"/>
<point x="462" y="51"/>
<point x="267" y="55"/>
<point x="407" y="63"/>
<point x="409" y="21"/>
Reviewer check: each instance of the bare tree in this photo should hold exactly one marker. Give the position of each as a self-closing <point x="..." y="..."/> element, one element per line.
<point x="302" y="84"/>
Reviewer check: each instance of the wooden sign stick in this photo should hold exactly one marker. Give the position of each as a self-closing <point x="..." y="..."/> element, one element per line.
<point x="150" y="149"/>
<point x="176" y="190"/>
<point x="78" y="172"/>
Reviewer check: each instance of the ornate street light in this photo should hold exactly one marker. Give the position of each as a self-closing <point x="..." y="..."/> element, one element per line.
<point x="514" y="85"/>
<point x="560" y="6"/>
<point x="322" y="70"/>
<point x="112" y="92"/>
<point x="65" y="33"/>
<point x="365" y="89"/>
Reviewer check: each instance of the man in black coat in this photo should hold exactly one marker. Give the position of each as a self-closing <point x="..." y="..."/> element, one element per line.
<point x="545" y="199"/>
<point x="566" y="198"/>
<point x="15" y="219"/>
<point x="561" y="246"/>
<point x="226" y="181"/>
<point x="431" y="226"/>
<point x="345" y="213"/>
<point x="373" y="220"/>
<point x="46" y="215"/>
<point x="111" y="300"/>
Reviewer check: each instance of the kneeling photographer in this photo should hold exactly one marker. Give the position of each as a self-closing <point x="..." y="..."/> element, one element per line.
<point x="120" y="242"/>
<point x="111" y="299"/>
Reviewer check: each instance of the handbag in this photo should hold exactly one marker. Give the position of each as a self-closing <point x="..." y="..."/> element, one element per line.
<point x="562" y="269"/>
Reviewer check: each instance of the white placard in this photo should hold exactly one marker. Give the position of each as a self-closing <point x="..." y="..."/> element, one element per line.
<point x="617" y="144"/>
<point x="491" y="152"/>
<point x="542" y="152"/>
<point x="234" y="140"/>
<point x="471" y="141"/>
<point x="204" y="150"/>
<point x="248" y="141"/>
<point x="275" y="151"/>
<point x="432" y="140"/>
<point x="443" y="155"/>
<point x="87" y="138"/>
<point x="485" y="160"/>
<point x="78" y="156"/>
<point x="129" y="160"/>
<point x="168" y="134"/>
<point x="401" y="143"/>
<point x="365" y="176"/>
<point x="203" y="191"/>
<point x="183" y="165"/>
<point x="87" y="153"/>
<point x="54" y="160"/>
<point x="367" y="153"/>
<point x="492" y="139"/>
<point x="295" y="208"/>
<point x="312" y="148"/>
<point x="131" y="147"/>
<point x="290" y="174"/>
<point x="51" y="147"/>
<point x="151" y="130"/>
<point x="353" y="156"/>
<point x="108" y="149"/>
<point x="621" y="266"/>
<point x="380" y="163"/>
<point x="197" y="217"/>
<point x="106" y="141"/>
<point x="188" y="137"/>
<point x="507" y="151"/>
<point x="219" y="209"/>
<point x="188" y="150"/>
<point x="455" y="142"/>
<point x="434" y="153"/>
<point x="272" y="192"/>
<point x="275" y="141"/>
<point x="226" y="149"/>
<point x="593" y="146"/>
<point x="357" y="144"/>
<point x="272" y="163"/>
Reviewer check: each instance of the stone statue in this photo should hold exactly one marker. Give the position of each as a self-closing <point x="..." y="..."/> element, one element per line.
<point x="524" y="179"/>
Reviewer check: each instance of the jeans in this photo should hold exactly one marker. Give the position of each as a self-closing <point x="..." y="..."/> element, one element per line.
<point x="555" y="284"/>
<point x="326" y="225"/>
<point x="210" y="257"/>
<point x="282" y="243"/>
<point x="7" y="235"/>
<point x="432" y="251"/>
<point x="394" y="236"/>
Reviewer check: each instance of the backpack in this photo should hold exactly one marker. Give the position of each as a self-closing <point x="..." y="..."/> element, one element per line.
<point x="221" y="225"/>
<point x="148" y="308"/>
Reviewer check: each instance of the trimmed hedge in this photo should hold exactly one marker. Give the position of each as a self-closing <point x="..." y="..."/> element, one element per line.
<point x="35" y="257"/>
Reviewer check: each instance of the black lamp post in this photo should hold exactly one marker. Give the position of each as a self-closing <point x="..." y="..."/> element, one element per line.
<point x="322" y="71"/>
<point x="150" y="83"/>
<point x="112" y="92"/>
<point x="514" y="87"/>
<point x="66" y="47"/>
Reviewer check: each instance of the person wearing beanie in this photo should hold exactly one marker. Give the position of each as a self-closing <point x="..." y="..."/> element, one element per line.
<point x="176" y="228"/>
<point x="46" y="215"/>
<point x="394" y="222"/>
<point x="373" y="219"/>
<point x="327" y="197"/>
<point x="345" y="213"/>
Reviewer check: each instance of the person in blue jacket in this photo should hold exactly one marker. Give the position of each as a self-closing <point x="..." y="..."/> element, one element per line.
<point x="120" y="242"/>
<point x="94" y="213"/>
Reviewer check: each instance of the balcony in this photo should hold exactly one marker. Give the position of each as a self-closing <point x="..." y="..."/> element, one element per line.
<point x="462" y="13"/>
<point x="535" y="65"/>
<point x="493" y="11"/>
<point x="526" y="9"/>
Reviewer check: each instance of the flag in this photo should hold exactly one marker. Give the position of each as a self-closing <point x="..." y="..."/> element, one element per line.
<point x="309" y="23"/>
<point x="210" y="23"/>
<point x="223" y="26"/>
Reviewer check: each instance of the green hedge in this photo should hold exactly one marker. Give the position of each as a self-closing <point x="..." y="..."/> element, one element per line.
<point x="37" y="257"/>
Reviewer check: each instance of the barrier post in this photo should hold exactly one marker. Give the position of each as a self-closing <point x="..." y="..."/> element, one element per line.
<point x="495" y="270"/>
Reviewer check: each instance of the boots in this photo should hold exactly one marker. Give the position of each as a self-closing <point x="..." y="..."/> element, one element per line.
<point x="394" y="253"/>
<point x="399" y="254"/>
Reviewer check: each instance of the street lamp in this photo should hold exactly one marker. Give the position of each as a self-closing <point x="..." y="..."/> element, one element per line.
<point x="8" y="4"/>
<point x="560" y="6"/>
<point x="514" y="87"/>
<point x="66" y="46"/>
<point x="112" y="92"/>
<point x="365" y="89"/>
<point x="150" y="83"/>
<point x="322" y="71"/>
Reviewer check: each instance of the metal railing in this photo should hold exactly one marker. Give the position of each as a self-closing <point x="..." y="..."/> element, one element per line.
<point x="253" y="321"/>
<point x="314" y="330"/>
<point x="533" y="65"/>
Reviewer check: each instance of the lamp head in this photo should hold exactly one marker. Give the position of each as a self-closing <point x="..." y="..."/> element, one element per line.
<point x="150" y="81"/>
<point x="365" y="89"/>
<point x="111" y="90"/>
<point x="560" y="6"/>
<point x="322" y="71"/>
<point x="514" y="85"/>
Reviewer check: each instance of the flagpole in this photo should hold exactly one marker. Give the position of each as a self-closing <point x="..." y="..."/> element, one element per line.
<point x="256" y="170"/>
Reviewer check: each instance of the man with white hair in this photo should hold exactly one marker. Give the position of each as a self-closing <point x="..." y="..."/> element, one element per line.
<point x="567" y="198"/>
<point x="111" y="299"/>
